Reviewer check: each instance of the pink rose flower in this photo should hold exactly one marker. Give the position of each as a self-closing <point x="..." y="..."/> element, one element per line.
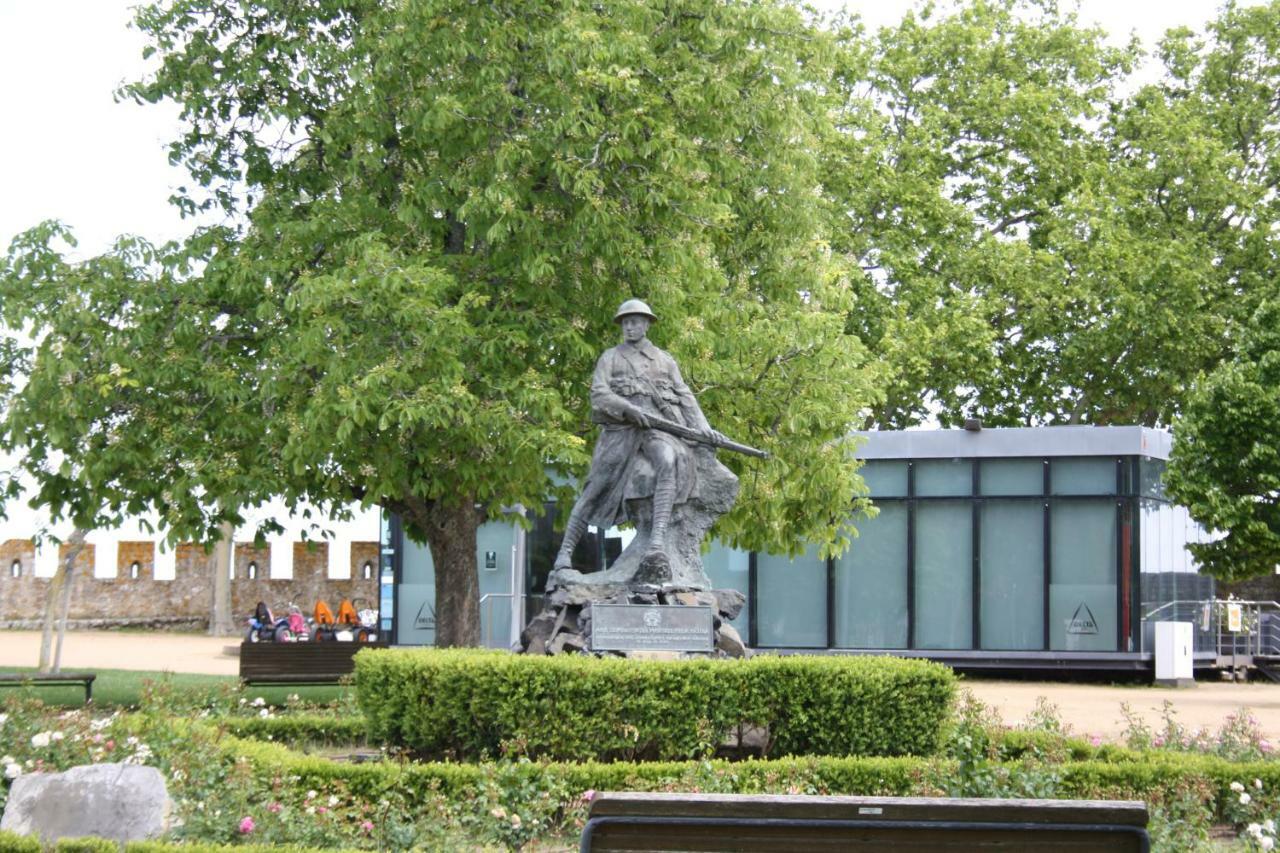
<point x="274" y="808"/>
<point x="367" y="827"/>
<point x="246" y="825"/>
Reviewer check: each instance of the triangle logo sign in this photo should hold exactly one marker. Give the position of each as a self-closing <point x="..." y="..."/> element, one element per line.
<point x="1082" y="621"/>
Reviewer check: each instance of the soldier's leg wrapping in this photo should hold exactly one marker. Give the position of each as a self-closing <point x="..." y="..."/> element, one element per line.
<point x="662" y="458"/>
<point x="572" y="534"/>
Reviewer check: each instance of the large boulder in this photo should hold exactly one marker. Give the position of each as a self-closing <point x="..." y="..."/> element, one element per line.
<point x="122" y="802"/>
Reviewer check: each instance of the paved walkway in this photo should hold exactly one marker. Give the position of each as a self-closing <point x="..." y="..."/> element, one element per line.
<point x="161" y="651"/>
<point x="1089" y="709"/>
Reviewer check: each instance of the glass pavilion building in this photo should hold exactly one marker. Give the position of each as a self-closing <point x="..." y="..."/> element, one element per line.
<point x="1024" y="548"/>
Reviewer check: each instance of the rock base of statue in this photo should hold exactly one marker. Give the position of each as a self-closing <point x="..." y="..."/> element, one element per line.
<point x="564" y="625"/>
<point x="646" y="575"/>
<point x="713" y="495"/>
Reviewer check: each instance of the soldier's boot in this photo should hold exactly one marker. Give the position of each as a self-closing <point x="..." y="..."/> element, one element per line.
<point x="572" y="533"/>
<point x="664" y="497"/>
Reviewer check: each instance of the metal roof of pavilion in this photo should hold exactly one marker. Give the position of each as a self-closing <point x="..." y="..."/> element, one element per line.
<point x="1015" y="441"/>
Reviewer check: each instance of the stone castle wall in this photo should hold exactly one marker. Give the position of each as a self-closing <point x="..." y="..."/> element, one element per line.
<point x="188" y="597"/>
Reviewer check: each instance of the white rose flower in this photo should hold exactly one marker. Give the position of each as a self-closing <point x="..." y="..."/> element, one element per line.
<point x="12" y="771"/>
<point x="1237" y="787"/>
<point x="311" y="809"/>
<point x="264" y="713"/>
<point x="258" y="702"/>
<point x="41" y="739"/>
<point x="1245" y="799"/>
<point x="1266" y="842"/>
<point x="333" y="800"/>
<point x="1257" y="783"/>
<point x="1269" y="825"/>
<point x="311" y="795"/>
<point x="1254" y="829"/>
<point x="57" y="736"/>
<point x="4" y="718"/>
<point x="7" y="759"/>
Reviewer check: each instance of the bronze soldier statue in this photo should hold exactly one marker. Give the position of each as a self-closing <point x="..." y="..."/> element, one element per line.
<point x="650" y="423"/>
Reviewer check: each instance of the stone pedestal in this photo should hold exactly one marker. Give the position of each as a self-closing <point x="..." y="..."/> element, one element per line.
<point x="564" y="625"/>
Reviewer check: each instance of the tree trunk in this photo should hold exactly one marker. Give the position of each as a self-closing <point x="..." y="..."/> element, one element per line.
<point x="221" y="623"/>
<point x="451" y="534"/>
<point x="59" y="597"/>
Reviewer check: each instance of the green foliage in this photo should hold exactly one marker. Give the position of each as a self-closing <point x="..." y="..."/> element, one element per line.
<point x="11" y="842"/>
<point x="1040" y="245"/>
<point x="475" y="704"/>
<point x="1225" y="464"/>
<point x="437" y="207"/>
<point x="86" y="845"/>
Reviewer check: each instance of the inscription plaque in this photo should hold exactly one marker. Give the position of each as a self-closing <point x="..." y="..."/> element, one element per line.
<point x="651" y="628"/>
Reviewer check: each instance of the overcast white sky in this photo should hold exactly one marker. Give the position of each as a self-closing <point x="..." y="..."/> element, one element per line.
<point x="69" y="151"/>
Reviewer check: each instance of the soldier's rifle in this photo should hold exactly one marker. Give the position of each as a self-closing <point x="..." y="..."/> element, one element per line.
<point x="694" y="435"/>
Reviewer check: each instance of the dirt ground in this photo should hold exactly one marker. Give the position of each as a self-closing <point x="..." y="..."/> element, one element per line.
<point x="1089" y="709"/>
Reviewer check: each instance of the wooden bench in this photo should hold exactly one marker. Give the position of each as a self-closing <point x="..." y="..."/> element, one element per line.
<point x="299" y="663"/>
<point x="50" y="679"/>
<point x="744" y="822"/>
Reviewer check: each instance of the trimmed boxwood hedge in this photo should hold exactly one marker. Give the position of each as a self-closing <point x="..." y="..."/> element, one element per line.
<point x="469" y="704"/>
<point x="1112" y="773"/>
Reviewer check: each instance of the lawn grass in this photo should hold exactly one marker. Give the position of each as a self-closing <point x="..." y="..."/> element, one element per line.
<point x="123" y="688"/>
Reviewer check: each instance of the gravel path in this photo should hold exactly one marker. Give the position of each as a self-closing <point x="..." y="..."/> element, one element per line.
<point x="1089" y="709"/>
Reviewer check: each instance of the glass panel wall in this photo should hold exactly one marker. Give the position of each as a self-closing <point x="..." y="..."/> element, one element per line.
<point x="1012" y="572"/>
<point x="729" y="568"/>
<point x="1083" y="476"/>
<point x="885" y="478"/>
<point x="791" y="601"/>
<point x="416" y="596"/>
<point x="943" y="575"/>
<point x="1082" y="589"/>
<point x="1151" y="478"/>
<point x="1005" y="477"/>
<point x="943" y="477"/>
<point x="870" y="584"/>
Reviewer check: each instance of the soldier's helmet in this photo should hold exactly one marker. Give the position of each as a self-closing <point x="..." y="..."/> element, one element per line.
<point x="635" y="306"/>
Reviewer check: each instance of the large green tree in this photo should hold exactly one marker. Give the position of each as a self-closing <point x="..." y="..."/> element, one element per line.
<point x="1225" y="465"/>
<point x="433" y="209"/>
<point x="1048" y="243"/>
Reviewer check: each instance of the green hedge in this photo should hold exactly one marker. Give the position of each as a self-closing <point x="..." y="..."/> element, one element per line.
<point x="894" y="776"/>
<point x="11" y="842"/>
<point x="473" y="704"/>
<point x="86" y="845"/>
<point x="1113" y="773"/>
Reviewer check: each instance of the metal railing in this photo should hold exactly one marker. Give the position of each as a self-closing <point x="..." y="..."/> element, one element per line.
<point x="486" y="619"/>
<point x="1256" y="626"/>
